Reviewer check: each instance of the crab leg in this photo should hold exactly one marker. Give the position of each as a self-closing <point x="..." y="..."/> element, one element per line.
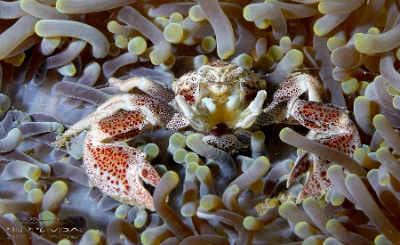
<point x="155" y="90"/>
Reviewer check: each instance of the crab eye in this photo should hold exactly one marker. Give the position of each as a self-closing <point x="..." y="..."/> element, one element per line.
<point x="228" y="78"/>
<point x="201" y="71"/>
<point x="237" y="71"/>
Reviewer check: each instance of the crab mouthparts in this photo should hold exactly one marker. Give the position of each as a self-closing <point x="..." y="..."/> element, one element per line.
<point x="211" y="111"/>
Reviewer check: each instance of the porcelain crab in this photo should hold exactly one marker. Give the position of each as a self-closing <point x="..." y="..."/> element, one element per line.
<point x="218" y="100"/>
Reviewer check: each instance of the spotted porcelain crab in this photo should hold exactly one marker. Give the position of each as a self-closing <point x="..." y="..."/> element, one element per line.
<point x="218" y="100"/>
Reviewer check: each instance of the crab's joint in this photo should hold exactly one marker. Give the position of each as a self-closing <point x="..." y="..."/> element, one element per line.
<point x="291" y="109"/>
<point x="251" y="113"/>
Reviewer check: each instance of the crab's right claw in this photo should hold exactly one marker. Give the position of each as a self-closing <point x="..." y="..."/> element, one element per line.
<point x="117" y="171"/>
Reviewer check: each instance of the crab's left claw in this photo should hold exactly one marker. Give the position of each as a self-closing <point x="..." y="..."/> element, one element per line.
<point x="336" y="131"/>
<point x="317" y="182"/>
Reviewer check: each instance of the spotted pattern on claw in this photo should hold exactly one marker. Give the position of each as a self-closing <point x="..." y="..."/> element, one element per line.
<point x="336" y="130"/>
<point x="318" y="182"/>
<point x="346" y="143"/>
<point x="123" y="126"/>
<point x="221" y="101"/>
<point x="329" y="120"/>
<point x="319" y="120"/>
<point x="116" y="171"/>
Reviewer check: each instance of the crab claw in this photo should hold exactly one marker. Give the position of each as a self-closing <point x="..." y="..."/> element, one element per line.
<point x="335" y="130"/>
<point x="317" y="182"/>
<point x="115" y="168"/>
<point x="118" y="170"/>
